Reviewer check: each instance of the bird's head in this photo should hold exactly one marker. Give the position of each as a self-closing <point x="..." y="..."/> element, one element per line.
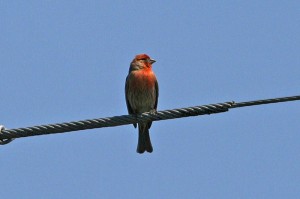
<point x="141" y="61"/>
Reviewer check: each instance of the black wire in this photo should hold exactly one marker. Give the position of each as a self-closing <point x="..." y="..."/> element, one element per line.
<point x="7" y="135"/>
<point x="265" y="101"/>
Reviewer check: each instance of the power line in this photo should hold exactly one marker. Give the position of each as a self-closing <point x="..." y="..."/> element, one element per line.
<point x="266" y="101"/>
<point x="7" y="135"/>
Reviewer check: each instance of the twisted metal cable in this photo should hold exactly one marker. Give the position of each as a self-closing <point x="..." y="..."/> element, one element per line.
<point x="114" y="121"/>
<point x="4" y="141"/>
<point x="7" y="135"/>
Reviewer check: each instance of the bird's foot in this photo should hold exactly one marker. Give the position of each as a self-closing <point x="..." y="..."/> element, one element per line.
<point x="153" y="111"/>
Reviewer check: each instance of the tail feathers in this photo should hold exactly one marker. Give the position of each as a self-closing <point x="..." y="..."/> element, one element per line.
<point x="144" y="142"/>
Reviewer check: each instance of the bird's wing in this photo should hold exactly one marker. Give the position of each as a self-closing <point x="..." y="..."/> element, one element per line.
<point x="156" y="100"/>
<point x="156" y="93"/>
<point x="130" y="111"/>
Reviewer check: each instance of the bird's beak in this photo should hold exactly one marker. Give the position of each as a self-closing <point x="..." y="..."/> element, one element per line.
<point x="152" y="61"/>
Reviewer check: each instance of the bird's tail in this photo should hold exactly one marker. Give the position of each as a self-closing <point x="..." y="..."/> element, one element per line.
<point x="144" y="142"/>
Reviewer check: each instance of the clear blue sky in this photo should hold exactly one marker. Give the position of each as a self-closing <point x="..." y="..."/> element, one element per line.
<point x="65" y="61"/>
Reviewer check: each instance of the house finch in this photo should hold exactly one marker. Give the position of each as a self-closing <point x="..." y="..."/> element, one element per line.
<point x="141" y="91"/>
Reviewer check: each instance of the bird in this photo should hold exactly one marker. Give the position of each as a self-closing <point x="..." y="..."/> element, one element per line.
<point x="141" y="93"/>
